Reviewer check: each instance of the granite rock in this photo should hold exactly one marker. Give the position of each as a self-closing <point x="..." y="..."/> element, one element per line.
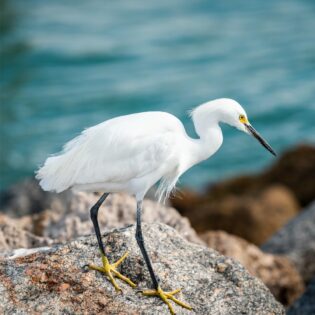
<point x="52" y="281"/>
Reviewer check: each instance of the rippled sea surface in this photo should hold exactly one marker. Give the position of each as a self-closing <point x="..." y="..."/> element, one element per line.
<point x="66" y="65"/>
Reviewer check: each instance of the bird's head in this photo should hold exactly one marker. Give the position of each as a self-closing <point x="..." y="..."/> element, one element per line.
<point x="230" y="112"/>
<point x="235" y="115"/>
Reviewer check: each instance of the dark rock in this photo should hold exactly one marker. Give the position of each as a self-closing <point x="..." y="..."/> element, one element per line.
<point x="276" y="272"/>
<point x="294" y="169"/>
<point x="306" y="304"/>
<point x="52" y="281"/>
<point x="297" y="241"/>
<point x="254" y="216"/>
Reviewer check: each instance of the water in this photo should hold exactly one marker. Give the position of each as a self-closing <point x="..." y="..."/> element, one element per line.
<point x="66" y="65"/>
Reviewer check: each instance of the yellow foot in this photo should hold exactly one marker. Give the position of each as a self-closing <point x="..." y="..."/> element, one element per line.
<point x="165" y="296"/>
<point x="111" y="272"/>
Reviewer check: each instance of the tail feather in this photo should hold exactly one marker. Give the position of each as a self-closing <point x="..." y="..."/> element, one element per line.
<point x="58" y="172"/>
<point x="51" y="175"/>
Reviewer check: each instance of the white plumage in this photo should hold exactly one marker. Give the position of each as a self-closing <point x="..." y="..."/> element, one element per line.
<point x="118" y="154"/>
<point x="131" y="153"/>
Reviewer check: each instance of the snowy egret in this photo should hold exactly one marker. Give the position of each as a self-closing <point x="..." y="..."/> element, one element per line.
<point x="130" y="154"/>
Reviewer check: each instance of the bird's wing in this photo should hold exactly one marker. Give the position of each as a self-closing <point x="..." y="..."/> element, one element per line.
<point x="115" y="151"/>
<point x="126" y="155"/>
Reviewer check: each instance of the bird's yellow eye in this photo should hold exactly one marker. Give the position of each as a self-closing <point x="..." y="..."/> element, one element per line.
<point x="243" y="119"/>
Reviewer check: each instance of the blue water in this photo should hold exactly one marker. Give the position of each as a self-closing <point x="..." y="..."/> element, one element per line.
<point x="66" y="65"/>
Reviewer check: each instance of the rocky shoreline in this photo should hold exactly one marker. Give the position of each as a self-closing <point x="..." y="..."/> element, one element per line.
<point x="262" y="226"/>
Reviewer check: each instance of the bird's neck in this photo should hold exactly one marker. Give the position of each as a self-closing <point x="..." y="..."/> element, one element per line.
<point x="209" y="142"/>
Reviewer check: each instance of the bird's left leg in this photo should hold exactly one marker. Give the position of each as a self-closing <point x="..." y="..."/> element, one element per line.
<point x="107" y="268"/>
<point x="157" y="291"/>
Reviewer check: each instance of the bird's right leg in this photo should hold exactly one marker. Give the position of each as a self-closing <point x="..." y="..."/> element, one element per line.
<point x="107" y="268"/>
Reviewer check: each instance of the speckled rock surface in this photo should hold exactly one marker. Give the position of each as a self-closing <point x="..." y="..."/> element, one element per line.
<point x="52" y="281"/>
<point x="277" y="272"/>
<point x="297" y="241"/>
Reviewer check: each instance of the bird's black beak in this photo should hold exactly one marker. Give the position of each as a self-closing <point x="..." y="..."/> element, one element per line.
<point x="262" y="141"/>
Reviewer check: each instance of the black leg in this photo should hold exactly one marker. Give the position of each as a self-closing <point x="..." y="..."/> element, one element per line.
<point x="93" y="213"/>
<point x="140" y="241"/>
<point x="110" y="270"/>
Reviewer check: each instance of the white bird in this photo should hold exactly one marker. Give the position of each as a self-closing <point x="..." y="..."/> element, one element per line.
<point x="132" y="153"/>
